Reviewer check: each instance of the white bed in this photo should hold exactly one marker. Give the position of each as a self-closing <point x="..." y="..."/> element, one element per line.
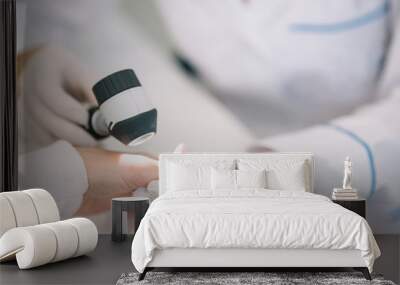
<point x="249" y="227"/>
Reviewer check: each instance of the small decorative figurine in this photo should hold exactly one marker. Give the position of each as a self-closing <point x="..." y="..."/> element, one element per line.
<point x="347" y="174"/>
<point x="347" y="192"/>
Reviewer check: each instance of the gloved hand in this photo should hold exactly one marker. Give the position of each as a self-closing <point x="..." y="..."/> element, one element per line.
<point x="112" y="174"/>
<point x="54" y="95"/>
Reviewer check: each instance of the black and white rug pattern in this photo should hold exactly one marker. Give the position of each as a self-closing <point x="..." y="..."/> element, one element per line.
<point x="229" y="278"/>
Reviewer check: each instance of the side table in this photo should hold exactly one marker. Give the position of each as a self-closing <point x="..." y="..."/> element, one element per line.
<point x="357" y="206"/>
<point x="137" y="205"/>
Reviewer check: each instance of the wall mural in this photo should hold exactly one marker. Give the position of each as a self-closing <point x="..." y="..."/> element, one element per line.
<point x="209" y="76"/>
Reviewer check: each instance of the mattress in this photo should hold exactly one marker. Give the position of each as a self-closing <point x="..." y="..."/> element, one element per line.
<point x="250" y="219"/>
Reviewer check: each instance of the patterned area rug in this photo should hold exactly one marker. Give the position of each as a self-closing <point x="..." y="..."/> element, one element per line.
<point x="226" y="278"/>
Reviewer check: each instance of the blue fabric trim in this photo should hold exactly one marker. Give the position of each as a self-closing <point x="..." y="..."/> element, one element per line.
<point x="381" y="11"/>
<point x="369" y="154"/>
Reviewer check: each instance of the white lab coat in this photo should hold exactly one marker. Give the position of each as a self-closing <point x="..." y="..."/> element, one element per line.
<point x="321" y="77"/>
<point x="337" y="104"/>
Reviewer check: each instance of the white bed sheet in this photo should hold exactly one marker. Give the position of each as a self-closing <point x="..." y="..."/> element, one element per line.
<point x="251" y="218"/>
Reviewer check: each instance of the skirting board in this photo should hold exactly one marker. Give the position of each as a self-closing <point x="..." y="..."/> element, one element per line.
<point x="189" y="257"/>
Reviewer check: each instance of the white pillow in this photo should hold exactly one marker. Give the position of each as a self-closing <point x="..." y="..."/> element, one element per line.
<point x="236" y="179"/>
<point x="223" y="179"/>
<point x="189" y="174"/>
<point x="184" y="177"/>
<point x="251" y="178"/>
<point x="292" y="179"/>
<point x="281" y="174"/>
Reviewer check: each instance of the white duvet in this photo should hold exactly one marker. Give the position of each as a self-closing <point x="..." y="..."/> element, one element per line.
<point x="250" y="218"/>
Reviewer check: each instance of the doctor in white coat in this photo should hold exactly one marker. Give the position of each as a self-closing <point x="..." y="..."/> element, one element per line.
<point x="319" y="76"/>
<point x="315" y="76"/>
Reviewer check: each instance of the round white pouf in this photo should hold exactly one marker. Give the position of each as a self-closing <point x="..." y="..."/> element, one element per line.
<point x="6" y="215"/>
<point x="40" y="244"/>
<point x="26" y="208"/>
<point x="46" y="207"/>
<point x="23" y="208"/>
<point x="33" y="246"/>
<point x="67" y="240"/>
<point x="87" y="233"/>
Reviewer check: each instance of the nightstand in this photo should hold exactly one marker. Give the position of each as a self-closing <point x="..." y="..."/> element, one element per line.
<point x="358" y="206"/>
<point x="138" y="205"/>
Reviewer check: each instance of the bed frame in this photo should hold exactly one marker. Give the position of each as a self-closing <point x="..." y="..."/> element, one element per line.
<point x="245" y="259"/>
<point x="234" y="259"/>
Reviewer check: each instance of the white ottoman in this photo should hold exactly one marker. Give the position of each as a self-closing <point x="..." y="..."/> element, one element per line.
<point x="31" y="232"/>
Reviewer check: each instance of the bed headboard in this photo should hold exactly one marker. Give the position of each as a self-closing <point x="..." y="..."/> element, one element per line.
<point x="165" y="158"/>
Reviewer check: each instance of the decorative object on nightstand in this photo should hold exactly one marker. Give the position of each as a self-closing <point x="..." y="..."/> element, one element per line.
<point x="346" y="192"/>
<point x="137" y="205"/>
<point x="358" y="206"/>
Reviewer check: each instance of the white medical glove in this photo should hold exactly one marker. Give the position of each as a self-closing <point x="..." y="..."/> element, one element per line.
<point x="112" y="174"/>
<point x="56" y="91"/>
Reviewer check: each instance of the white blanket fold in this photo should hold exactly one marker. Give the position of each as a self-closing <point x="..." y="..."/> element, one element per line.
<point x="250" y="218"/>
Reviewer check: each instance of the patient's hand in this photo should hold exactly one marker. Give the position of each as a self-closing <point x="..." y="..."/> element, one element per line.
<point x="112" y="174"/>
